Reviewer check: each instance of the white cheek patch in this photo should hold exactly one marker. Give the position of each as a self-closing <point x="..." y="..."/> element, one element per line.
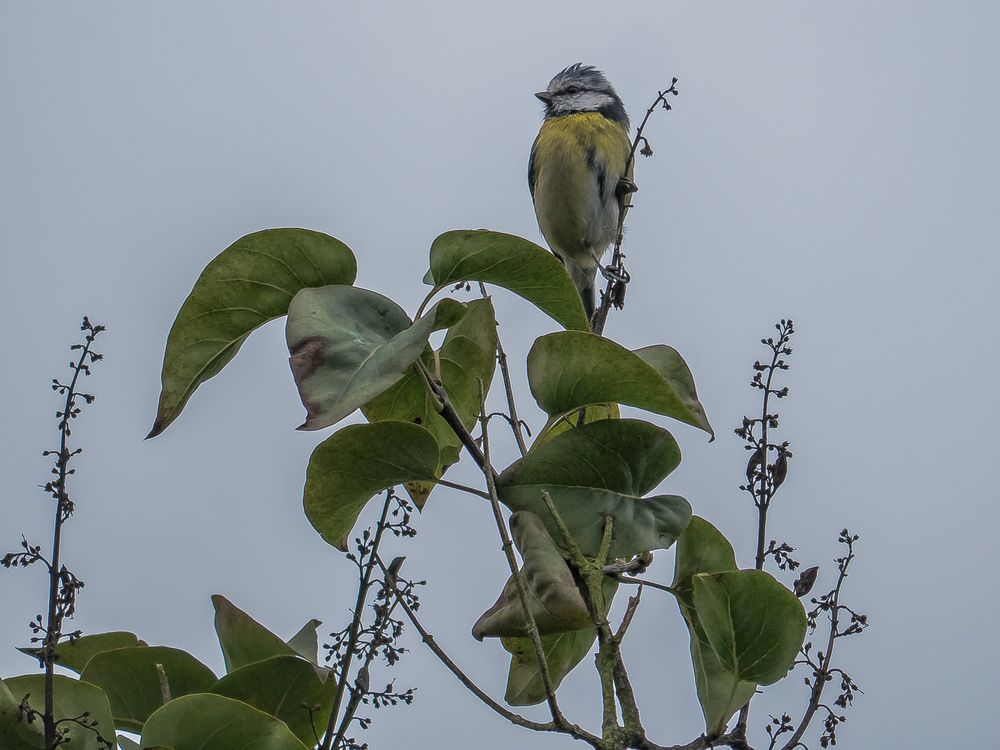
<point x="584" y="101"/>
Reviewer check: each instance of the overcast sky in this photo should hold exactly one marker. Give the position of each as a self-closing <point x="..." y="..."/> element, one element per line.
<point x="833" y="162"/>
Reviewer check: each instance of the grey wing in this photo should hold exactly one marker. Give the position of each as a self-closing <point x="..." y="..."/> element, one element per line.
<point x="531" y="169"/>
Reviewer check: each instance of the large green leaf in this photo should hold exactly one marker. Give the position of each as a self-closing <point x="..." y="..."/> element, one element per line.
<point x="130" y="677"/>
<point x="71" y="698"/>
<point x="754" y="624"/>
<point x="597" y="470"/>
<point x="212" y="722"/>
<point x="351" y="466"/>
<point x="554" y="599"/>
<point x="570" y="369"/>
<point x="75" y="655"/>
<point x="248" y="284"/>
<point x="703" y="549"/>
<point x="285" y="687"/>
<point x="243" y="639"/>
<point x="467" y="356"/>
<point x="563" y="651"/>
<point x="15" y="732"/>
<point x="348" y="345"/>
<point x="512" y="262"/>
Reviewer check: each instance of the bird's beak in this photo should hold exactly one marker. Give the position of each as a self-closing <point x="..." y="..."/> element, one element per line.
<point x="545" y="96"/>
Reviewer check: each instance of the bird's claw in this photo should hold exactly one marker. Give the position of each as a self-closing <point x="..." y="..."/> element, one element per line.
<point x="619" y="274"/>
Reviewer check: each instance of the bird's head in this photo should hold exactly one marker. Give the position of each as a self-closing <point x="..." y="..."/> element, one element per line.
<point x="582" y="88"/>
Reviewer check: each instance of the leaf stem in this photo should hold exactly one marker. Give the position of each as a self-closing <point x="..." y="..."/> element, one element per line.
<point x="515" y="422"/>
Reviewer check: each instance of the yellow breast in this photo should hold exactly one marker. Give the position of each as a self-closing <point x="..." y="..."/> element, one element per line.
<point x="577" y="162"/>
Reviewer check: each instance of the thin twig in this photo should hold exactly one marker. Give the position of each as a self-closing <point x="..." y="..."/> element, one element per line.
<point x="451" y="416"/>
<point x="645" y="582"/>
<point x="463" y="488"/>
<point x="331" y="737"/>
<point x="515" y="423"/>
<point x="618" y="275"/>
<point x="508" y="549"/>
<point x="514" y="718"/>
<point x="54" y="620"/>
<point x="821" y="675"/>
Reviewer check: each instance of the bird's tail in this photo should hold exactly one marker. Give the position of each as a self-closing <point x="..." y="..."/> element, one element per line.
<point x="583" y="271"/>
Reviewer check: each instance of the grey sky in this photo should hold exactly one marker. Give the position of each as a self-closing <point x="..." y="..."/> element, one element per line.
<point x="833" y="162"/>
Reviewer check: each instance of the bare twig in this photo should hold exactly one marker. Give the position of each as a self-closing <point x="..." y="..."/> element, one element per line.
<point x="617" y="276"/>
<point x="332" y="737"/>
<point x="823" y="671"/>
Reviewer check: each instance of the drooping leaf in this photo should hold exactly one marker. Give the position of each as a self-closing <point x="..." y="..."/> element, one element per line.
<point x="205" y="721"/>
<point x="130" y="677"/>
<point x="754" y="624"/>
<point x="305" y="642"/>
<point x="467" y="356"/>
<point x="15" y="732"/>
<point x="285" y="687"/>
<point x="71" y="698"/>
<point x="703" y="549"/>
<point x="563" y="651"/>
<point x="126" y="744"/>
<point x="351" y="466"/>
<point x="602" y="469"/>
<point x="348" y="345"/>
<point x="512" y="262"/>
<point x="248" y="284"/>
<point x="75" y="655"/>
<point x="553" y="596"/>
<point x="243" y="639"/>
<point x="571" y="369"/>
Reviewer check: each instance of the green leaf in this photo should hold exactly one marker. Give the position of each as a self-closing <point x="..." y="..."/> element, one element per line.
<point x="15" y="732"/>
<point x="467" y="356"/>
<point x="243" y="639"/>
<point x="130" y="678"/>
<point x="514" y="263"/>
<point x="348" y="345"/>
<point x="553" y="596"/>
<point x="351" y="466"/>
<point x="563" y="651"/>
<point x="703" y="549"/>
<point x="75" y="655"/>
<point x="754" y="624"/>
<point x="71" y="698"/>
<point x="212" y="722"/>
<point x="245" y="286"/>
<point x="599" y="469"/>
<point x="126" y="744"/>
<point x="283" y="686"/>
<point x="305" y="642"/>
<point x="570" y="369"/>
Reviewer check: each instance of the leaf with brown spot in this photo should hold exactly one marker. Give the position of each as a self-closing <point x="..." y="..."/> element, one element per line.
<point x="246" y="285"/>
<point x="349" y="345"/>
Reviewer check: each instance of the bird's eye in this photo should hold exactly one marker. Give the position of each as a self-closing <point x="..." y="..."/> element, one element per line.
<point x="573" y="89"/>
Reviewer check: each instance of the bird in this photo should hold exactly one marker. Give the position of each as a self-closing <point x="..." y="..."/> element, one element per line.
<point x="579" y="170"/>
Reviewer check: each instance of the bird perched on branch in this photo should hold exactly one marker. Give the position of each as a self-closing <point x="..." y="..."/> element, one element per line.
<point x="579" y="170"/>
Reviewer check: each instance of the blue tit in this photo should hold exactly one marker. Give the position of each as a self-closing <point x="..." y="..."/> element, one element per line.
<point x="578" y="171"/>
